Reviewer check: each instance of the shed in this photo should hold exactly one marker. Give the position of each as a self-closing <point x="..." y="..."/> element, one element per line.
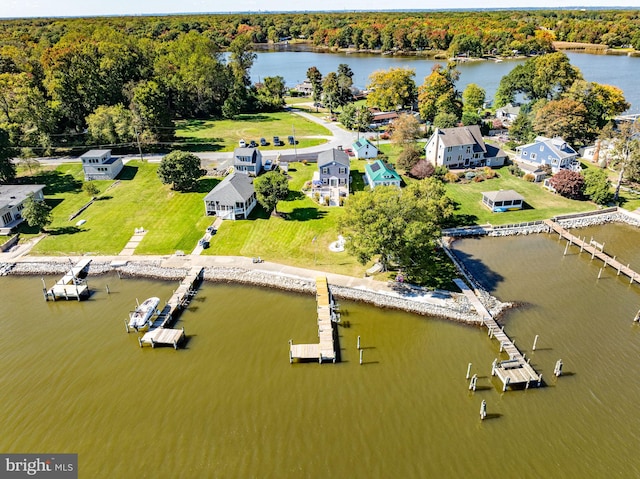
<point x="502" y="200"/>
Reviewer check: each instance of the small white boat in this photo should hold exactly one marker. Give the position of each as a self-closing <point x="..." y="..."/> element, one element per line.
<point x="143" y="313"/>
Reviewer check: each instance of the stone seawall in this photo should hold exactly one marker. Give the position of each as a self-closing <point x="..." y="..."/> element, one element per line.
<point x="441" y="304"/>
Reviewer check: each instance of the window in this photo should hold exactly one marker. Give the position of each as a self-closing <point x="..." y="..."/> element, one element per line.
<point x="20" y="207"/>
<point x="533" y="156"/>
<point x="324" y="181"/>
<point x="448" y="148"/>
<point x="325" y="171"/>
<point x="541" y="147"/>
<point x="6" y="218"/>
<point x="525" y="153"/>
<point x="342" y="171"/>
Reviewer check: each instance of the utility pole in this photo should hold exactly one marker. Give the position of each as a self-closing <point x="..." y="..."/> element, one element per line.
<point x="135" y="129"/>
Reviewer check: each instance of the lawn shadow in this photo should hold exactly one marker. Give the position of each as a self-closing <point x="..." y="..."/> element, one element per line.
<point x="103" y="198"/>
<point x="63" y="230"/>
<point x="53" y="202"/>
<point x="55" y="181"/>
<point x="259" y="213"/>
<point x="459" y="219"/>
<point x="205" y="185"/>
<point x="295" y="195"/>
<point x="305" y="214"/>
<point x="128" y="173"/>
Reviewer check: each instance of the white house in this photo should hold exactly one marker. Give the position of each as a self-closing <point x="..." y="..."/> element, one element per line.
<point x="507" y="113"/>
<point x="364" y="149"/>
<point x="462" y="147"/>
<point x="12" y="198"/>
<point x="231" y="199"/>
<point x="100" y="165"/>
<point x="247" y="160"/>
<point x="380" y="173"/>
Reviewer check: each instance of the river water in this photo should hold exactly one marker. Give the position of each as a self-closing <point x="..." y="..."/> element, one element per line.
<point x="230" y="405"/>
<point x="620" y="71"/>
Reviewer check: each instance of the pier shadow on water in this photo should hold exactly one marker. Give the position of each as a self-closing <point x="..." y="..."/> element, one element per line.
<point x="485" y="276"/>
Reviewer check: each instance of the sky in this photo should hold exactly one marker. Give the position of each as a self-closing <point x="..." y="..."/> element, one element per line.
<point x="81" y="8"/>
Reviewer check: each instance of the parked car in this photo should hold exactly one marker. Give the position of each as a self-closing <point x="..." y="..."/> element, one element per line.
<point x="253" y="144"/>
<point x="263" y="142"/>
<point x="349" y="152"/>
<point x="276" y="140"/>
<point x="242" y="143"/>
<point x="292" y="140"/>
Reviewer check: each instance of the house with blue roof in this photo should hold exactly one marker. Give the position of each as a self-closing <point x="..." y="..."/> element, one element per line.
<point x="554" y="152"/>
<point x="380" y="173"/>
<point x="364" y="149"/>
<point x="100" y="165"/>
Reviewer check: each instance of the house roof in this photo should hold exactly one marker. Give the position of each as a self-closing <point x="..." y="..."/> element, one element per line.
<point x="461" y="136"/>
<point x="509" y="109"/>
<point x="380" y="171"/>
<point x="234" y="188"/>
<point x="503" y="195"/>
<point x="494" y="151"/>
<point x="557" y="145"/>
<point x="361" y="143"/>
<point x="247" y="151"/>
<point x="95" y="153"/>
<point x="384" y="115"/>
<point x="11" y="195"/>
<point x="329" y="156"/>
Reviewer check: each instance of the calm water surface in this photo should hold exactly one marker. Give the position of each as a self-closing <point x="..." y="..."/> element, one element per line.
<point x="230" y="404"/>
<point x="621" y="71"/>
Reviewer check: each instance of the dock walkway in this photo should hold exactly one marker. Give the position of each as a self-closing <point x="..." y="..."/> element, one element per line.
<point x="325" y="349"/>
<point x="160" y="332"/>
<point x="71" y="285"/>
<point x="514" y="371"/>
<point x="596" y="250"/>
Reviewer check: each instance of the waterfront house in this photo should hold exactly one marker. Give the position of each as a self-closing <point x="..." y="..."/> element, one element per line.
<point x="507" y="113"/>
<point x="247" y="160"/>
<point x="305" y="88"/>
<point x="462" y="147"/>
<point x="100" y="165"/>
<point x="502" y="200"/>
<point x="535" y="171"/>
<point x="549" y="151"/>
<point x="331" y="181"/>
<point x="12" y="198"/>
<point x="380" y="173"/>
<point x="364" y="149"/>
<point x="232" y="199"/>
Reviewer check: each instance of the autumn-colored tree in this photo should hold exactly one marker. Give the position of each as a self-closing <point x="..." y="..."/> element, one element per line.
<point x="567" y="183"/>
<point x="422" y="169"/>
<point x="565" y="118"/>
<point x="392" y="89"/>
<point x="438" y="93"/>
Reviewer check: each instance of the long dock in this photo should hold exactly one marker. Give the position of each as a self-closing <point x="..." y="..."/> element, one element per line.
<point x="325" y="349"/>
<point x="515" y="370"/>
<point x="71" y="285"/>
<point x="596" y="250"/>
<point x="159" y="332"/>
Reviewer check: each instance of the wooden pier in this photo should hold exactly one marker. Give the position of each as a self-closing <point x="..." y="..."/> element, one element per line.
<point x="515" y="371"/>
<point x="72" y="285"/>
<point x="325" y="349"/>
<point x="159" y="332"/>
<point x="596" y="250"/>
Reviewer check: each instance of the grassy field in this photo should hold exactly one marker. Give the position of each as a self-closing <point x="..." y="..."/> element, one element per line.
<point x="224" y="135"/>
<point x="539" y="203"/>
<point x="174" y="221"/>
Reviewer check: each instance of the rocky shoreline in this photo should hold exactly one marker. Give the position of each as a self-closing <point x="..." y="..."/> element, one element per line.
<point x="441" y="304"/>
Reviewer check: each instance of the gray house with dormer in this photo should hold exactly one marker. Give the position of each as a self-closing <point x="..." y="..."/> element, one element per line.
<point x="100" y="165"/>
<point x="247" y="160"/>
<point x="549" y="151"/>
<point x="331" y="181"/>
<point x="12" y="198"/>
<point x="231" y="199"/>
<point x="462" y="147"/>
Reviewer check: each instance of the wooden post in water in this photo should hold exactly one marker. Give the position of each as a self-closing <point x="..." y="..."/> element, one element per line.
<point x="139" y="341"/>
<point x="581" y="245"/>
<point x="361" y="351"/>
<point x="535" y="341"/>
<point x="506" y="384"/>
<point x="107" y="287"/>
<point x="558" y="369"/>
<point x="637" y="318"/>
<point x="290" y="354"/>
<point x="600" y="273"/>
<point x="565" y="249"/>
<point x="472" y="384"/>
<point x="44" y="290"/>
<point x="468" y="370"/>
<point x="126" y="325"/>
<point x="501" y="346"/>
<point x="493" y="367"/>
<point x="539" y="380"/>
<point x="483" y="410"/>
<point x="358" y="342"/>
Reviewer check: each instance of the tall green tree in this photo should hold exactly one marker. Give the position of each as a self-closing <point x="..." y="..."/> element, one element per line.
<point x="345" y="82"/>
<point x="391" y="89"/>
<point x="566" y="118"/>
<point x="180" y="169"/>
<point x="473" y="98"/>
<point x="626" y="152"/>
<point x="111" y="125"/>
<point x="7" y="167"/>
<point x="398" y="226"/>
<point x="152" y="115"/>
<point x="438" y="94"/>
<point x="597" y="186"/>
<point x="36" y="213"/>
<point x="270" y="188"/>
<point x="271" y="94"/>
<point x="331" y="91"/>
<point x="315" y="78"/>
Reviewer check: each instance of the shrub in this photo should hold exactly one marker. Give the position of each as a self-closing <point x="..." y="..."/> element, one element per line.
<point x="422" y="169"/>
<point x="489" y="172"/>
<point x="516" y="171"/>
<point x="316" y="196"/>
<point x="569" y="184"/>
<point x="451" y="177"/>
<point x="529" y="177"/>
<point x="478" y="178"/>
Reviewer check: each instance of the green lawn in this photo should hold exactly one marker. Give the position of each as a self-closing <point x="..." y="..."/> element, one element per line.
<point x="539" y="203"/>
<point x="174" y="221"/>
<point x="224" y="135"/>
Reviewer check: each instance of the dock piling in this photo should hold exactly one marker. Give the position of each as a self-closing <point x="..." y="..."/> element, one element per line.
<point x="535" y="341"/>
<point x="358" y="342"/>
<point x="565" y="249"/>
<point x="468" y="370"/>
<point x="472" y="383"/>
<point x="493" y="367"/>
<point x="600" y="273"/>
<point x="558" y="368"/>
<point x="361" y="351"/>
<point x="483" y="410"/>
<point x="126" y="325"/>
<point x="107" y="288"/>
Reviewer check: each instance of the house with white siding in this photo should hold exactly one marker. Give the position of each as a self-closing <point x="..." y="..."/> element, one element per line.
<point x="554" y="152"/>
<point x="462" y="147"/>
<point x="12" y="198"/>
<point x="231" y="199"/>
<point x="100" y="165"/>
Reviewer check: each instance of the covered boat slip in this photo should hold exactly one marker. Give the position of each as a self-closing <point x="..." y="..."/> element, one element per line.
<point x="325" y="349"/>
